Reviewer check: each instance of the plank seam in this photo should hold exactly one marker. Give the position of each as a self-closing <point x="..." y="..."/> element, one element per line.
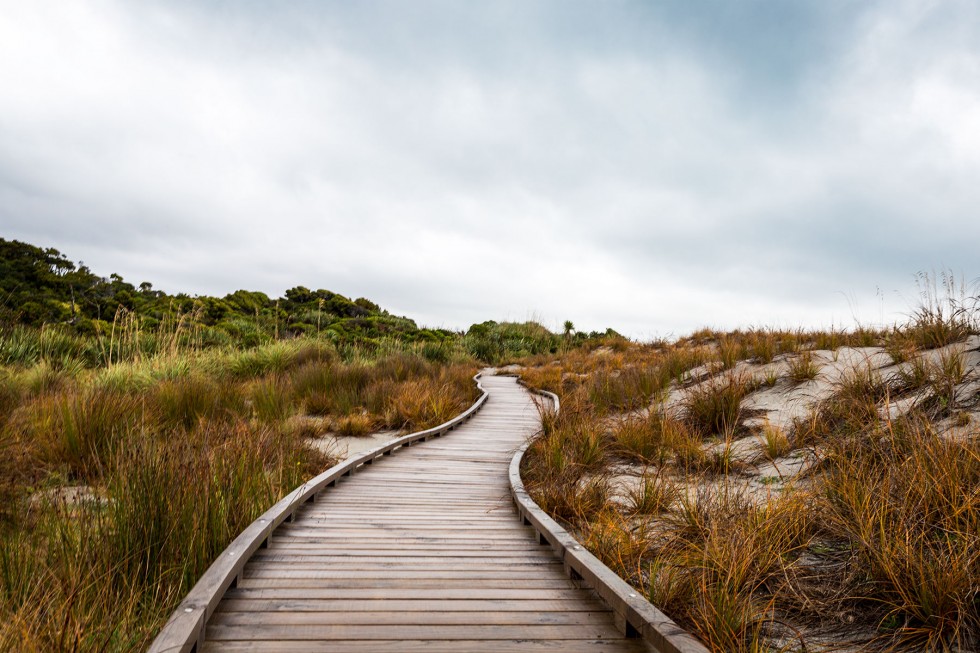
<point x="185" y="630"/>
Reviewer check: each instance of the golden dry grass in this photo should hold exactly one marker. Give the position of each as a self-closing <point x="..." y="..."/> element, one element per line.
<point x="174" y="455"/>
<point x="877" y="544"/>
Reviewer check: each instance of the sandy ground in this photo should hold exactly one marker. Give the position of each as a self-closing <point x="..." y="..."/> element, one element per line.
<point x="779" y="404"/>
<point x="345" y="447"/>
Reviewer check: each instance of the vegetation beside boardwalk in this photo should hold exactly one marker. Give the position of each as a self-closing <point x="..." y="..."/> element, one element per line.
<point x="140" y="432"/>
<point x="119" y="485"/>
<point x="59" y="313"/>
<point x="41" y="287"/>
<point x="865" y="537"/>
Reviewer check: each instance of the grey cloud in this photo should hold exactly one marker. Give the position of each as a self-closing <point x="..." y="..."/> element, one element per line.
<point x="650" y="167"/>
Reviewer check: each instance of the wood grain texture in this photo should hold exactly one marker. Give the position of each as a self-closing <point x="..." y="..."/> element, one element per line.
<point x="419" y="551"/>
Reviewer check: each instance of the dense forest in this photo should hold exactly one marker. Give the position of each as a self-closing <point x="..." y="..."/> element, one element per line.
<point x="41" y="286"/>
<point x="110" y="319"/>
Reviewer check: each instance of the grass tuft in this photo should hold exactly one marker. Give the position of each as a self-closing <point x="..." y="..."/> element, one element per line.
<point x="714" y="407"/>
<point x="653" y="495"/>
<point x="802" y="367"/>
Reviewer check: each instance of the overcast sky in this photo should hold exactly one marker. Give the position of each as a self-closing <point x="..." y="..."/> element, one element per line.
<point x="648" y="166"/>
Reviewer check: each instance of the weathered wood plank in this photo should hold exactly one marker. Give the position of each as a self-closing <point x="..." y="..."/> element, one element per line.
<point x="420" y="551"/>
<point x="388" y="617"/>
<point x="234" y="603"/>
<point x="429" y="646"/>
<point x="291" y="571"/>
<point x="474" y="593"/>
<point x="277" y="632"/>
<point x="294" y="582"/>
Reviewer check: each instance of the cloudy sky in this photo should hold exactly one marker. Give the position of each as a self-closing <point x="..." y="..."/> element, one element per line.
<point x="648" y="166"/>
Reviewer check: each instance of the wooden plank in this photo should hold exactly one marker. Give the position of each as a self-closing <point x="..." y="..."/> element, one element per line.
<point x="304" y="530"/>
<point x="395" y="545"/>
<point x="294" y="582"/>
<point x="400" y="593"/>
<point x="392" y="554"/>
<point x="435" y="535"/>
<point x="281" y="632"/>
<point x="417" y="523"/>
<point x="429" y="646"/>
<point x="407" y="562"/>
<point x="405" y="565"/>
<point x="234" y="602"/>
<point x="480" y="573"/>
<point x="388" y="617"/>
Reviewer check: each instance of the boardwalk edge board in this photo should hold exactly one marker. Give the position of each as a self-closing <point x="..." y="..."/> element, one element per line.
<point x="635" y="616"/>
<point x="184" y="631"/>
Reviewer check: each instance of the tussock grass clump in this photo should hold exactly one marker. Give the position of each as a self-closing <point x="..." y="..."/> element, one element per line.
<point x="647" y="439"/>
<point x="775" y="442"/>
<point x="105" y="574"/>
<point x="273" y="358"/>
<point x="184" y="401"/>
<point x="543" y="377"/>
<point x="176" y="504"/>
<point x="356" y="425"/>
<point x="719" y="565"/>
<point x="312" y="384"/>
<point x="910" y="509"/>
<point x="718" y="461"/>
<point x="942" y="379"/>
<point x="802" y="367"/>
<point x="731" y="350"/>
<point x="738" y="559"/>
<point x="563" y="468"/>
<point x="946" y="313"/>
<point x="628" y="388"/>
<point x="430" y="401"/>
<point x="653" y="495"/>
<point x="853" y="408"/>
<point x="77" y="429"/>
<point x="609" y="536"/>
<point x="399" y="390"/>
<point x="10" y="396"/>
<point x="677" y="361"/>
<point x="715" y="407"/>
<point x="421" y="405"/>
<point x="914" y="373"/>
<point x="271" y="399"/>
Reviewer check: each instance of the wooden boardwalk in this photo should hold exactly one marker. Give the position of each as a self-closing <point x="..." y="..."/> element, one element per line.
<point x="421" y="552"/>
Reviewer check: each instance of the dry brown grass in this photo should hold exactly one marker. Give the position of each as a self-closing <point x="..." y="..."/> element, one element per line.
<point x="802" y="367"/>
<point x="876" y="546"/>
<point x="176" y="456"/>
<point x="356" y="425"/>
<point x="715" y="406"/>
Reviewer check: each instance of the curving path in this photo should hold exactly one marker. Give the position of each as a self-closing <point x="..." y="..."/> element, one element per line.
<point x="420" y="552"/>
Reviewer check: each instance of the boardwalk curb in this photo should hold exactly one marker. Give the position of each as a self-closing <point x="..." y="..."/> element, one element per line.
<point x="185" y="630"/>
<point x="635" y="616"/>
